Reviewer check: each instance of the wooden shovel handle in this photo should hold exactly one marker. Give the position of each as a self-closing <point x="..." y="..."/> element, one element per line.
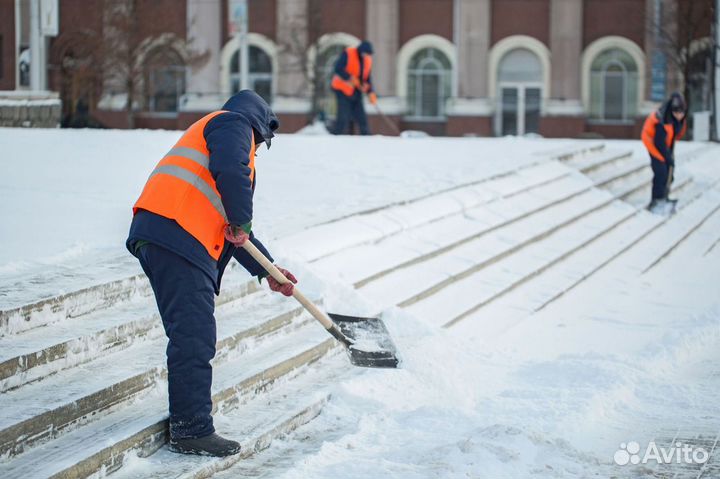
<point x="306" y="303"/>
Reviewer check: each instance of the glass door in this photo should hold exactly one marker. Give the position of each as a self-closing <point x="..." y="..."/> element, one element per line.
<point x="531" y="109"/>
<point x="519" y="109"/>
<point x="509" y="107"/>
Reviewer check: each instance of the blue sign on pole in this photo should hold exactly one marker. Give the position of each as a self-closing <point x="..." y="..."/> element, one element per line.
<point x="659" y="76"/>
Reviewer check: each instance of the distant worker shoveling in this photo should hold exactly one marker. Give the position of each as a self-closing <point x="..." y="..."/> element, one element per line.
<point x="662" y="129"/>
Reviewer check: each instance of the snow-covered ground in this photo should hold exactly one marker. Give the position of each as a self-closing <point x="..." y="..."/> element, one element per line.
<point x="66" y="196"/>
<point x="625" y="357"/>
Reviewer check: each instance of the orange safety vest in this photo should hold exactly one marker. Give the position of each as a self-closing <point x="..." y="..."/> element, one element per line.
<point x="181" y="188"/>
<point x="353" y="69"/>
<point x="648" y="134"/>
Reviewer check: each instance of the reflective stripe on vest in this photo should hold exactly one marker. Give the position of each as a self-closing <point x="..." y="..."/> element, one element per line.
<point x="353" y="69"/>
<point x="181" y="188"/>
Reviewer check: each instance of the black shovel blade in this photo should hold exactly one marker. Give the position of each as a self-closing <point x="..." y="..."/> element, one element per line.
<point x="373" y="347"/>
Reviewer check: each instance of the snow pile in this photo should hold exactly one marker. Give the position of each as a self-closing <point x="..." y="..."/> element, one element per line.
<point x="316" y="128"/>
<point x="553" y="397"/>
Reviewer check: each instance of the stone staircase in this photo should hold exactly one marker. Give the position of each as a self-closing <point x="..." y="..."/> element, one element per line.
<point x="82" y="375"/>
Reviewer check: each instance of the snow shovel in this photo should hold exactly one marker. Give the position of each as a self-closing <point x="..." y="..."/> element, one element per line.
<point x="366" y="340"/>
<point x="387" y="120"/>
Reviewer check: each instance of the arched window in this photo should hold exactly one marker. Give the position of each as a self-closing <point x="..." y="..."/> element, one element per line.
<point x="429" y="84"/>
<point x="613" y="86"/>
<point x="520" y="66"/>
<point x="259" y="73"/>
<point x="164" y="80"/>
<point x="325" y="69"/>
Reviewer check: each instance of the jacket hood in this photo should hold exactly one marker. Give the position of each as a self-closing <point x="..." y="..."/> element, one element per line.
<point x="676" y="100"/>
<point x="365" y="48"/>
<point x="261" y="117"/>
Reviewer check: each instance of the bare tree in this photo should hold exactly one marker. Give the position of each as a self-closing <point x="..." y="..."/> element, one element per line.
<point x="124" y="48"/>
<point x="680" y="27"/>
<point x="302" y="29"/>
<point x="315" y="76"/>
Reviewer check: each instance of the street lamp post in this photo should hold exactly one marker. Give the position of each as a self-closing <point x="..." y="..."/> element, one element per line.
<point x="239" y="20"/>
<point x="716" y="60"/>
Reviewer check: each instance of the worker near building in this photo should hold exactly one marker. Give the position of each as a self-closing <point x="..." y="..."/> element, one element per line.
<point x="661" y="130"/>
<point x="194" y="214"/>
<point x="351" y="80"/>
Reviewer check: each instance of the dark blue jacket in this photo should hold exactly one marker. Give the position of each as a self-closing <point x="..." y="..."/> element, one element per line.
<point x="229" y="146"/>
<point x="667" y="118"/>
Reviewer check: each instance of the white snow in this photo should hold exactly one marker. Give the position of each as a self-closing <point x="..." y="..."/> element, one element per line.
<point x="66" y="196"/>
<point x="514" y="390"/>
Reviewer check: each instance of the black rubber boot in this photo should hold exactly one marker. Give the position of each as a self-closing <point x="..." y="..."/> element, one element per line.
<point x="212" y="445"/>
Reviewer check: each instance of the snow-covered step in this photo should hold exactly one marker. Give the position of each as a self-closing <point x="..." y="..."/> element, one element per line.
<point x="604" y="158"/>
<point x="85" y="301"/>
<point x="141" y="427"/>
<point x="373" y="226"/>
<point x="71" y="305"/>
<point x="407" y="285"/>
<point x="698" y="241"/>
<point x="256" y="424"/>
<point x="30" y="415"/>
<point x="504" y="312"/>
<point x="680" y="227"/>
<point x="575" y="150"/>
<point x="463" y="297"/>
<point x="673" y="230"/>
<point x="640" y="196"/>
<point x="367" y="263"/>
<point x="626" y="185"/>
<point x="39" y="352"/>
<point x="607" y="176"/>
<point x="606" y="257"/>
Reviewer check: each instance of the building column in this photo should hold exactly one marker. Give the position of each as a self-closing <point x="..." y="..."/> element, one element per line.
<point x="566" y="19"/>
<point x="473" y="47"/>
<point x="38" y="48"/>
<point x="203" y="19"/>
<point x="292" y="40"/>
<point x="382" y="23"/>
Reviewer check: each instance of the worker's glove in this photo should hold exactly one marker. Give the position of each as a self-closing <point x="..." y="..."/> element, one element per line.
<point x="237" y="235"/>
<point x="356" y="82"/>
<point x="373" y="98"/>
<point x="286" y="288"/>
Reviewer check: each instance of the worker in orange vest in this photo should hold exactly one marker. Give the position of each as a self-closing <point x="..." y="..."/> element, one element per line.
<point x="352" y="79"/>
<point x="661" y="130"/>
<point x="193" y="215"/>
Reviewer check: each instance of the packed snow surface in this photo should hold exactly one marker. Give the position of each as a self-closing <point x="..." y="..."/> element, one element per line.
<point x="554" y="393"/>
<point x="66" y="196"/>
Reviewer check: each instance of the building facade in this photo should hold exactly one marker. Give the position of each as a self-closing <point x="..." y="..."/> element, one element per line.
<point x="557" y="68"/>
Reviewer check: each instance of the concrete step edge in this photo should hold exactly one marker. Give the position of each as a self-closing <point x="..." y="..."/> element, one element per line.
<point x="526" y="277"/>
<point x="465" y="240"/>
<point x="40" y="363"/>
<point x="79" y="303"/>
<point x="70" y="415"/>
<point x="149" y="435"/>
<point x="286" y="405"/>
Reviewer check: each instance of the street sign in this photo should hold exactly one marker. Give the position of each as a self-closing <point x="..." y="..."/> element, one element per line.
<point x="237" y="13"/>
<point x="49" y="18"/>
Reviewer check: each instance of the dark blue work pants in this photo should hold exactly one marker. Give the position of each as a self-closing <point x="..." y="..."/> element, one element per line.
<point x="185" y="297"/>
<point x="350" y="108"/>
<point x="661" y="180"/>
